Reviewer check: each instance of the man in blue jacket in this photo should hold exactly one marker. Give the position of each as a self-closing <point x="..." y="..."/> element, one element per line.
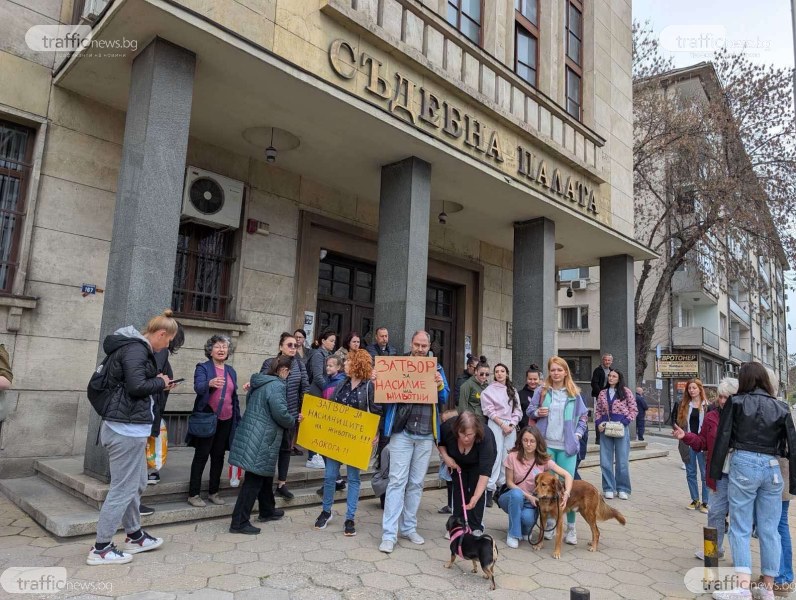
<point x="381" y="345"/>
<point x="413" y="429"/>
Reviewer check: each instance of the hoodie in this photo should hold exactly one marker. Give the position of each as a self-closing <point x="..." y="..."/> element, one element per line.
<point x="495" y="404"/>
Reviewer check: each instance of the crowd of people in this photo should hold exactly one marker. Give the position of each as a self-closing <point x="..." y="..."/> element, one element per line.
<point x="492" y="440"/>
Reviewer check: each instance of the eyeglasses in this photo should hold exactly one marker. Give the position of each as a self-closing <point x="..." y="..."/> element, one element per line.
<point x="291" y="345"/>
<point x="220" y="347"/>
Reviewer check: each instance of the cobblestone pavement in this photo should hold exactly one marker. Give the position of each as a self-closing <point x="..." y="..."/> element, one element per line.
<point x="289" y="560"/>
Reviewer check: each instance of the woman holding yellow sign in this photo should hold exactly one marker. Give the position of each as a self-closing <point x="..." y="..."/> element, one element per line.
<point x="356" y="391"/>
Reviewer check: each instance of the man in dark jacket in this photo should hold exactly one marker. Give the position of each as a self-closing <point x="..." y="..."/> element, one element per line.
<point x="381" y="347"/>
<point x="598" y="379"/>
<point x="642" y="405"/>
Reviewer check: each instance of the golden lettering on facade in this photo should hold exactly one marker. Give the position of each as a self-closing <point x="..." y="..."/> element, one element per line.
<point x="571" y="193"/>
<point x="343" y="59"/>
<point x="493" y="148"/>
<point x="536" y="174"/>
<point x="453" y="121"/>
<point x="584" y="195"/>
<point x="377" y="85"/>
<point x="402" y="99"/>
<point x="429" y="108"/>
<point x="541" y="175"/>
<point x="473" y="136"/>
<point x="557" y="186"/>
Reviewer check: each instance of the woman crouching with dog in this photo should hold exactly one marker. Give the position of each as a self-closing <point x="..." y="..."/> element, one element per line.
<point x="467" y="447"/>
<point x="524" y="462"/>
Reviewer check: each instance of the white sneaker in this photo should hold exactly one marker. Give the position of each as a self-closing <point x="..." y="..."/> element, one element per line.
<point x="572" y="537"/>
<point x="414" y="537"/>
<point x="316" y="462"/>
<point x="478" y="532"/>
<point x="386" y="546"/>
<point x="623" y="496"/>
<point x="111" y="555"/>
<point x="549" y="529"/>
<point x="608" y="495"/>
<point x="735" y="594"/>
<point x="144" y="543"/>
<point x="701" y="555"/>
<point x="512" y="542"/>
<point x="682" y="467"/>
<point x="447" y="535"/>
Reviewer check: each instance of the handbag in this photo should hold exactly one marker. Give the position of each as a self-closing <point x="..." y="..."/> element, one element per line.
<point x="203" y="424"/>
<point x="505" y="487"/>
<point x="613" y="429"/>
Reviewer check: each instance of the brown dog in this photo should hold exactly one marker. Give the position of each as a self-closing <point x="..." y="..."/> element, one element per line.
<point x="584" y="498"/>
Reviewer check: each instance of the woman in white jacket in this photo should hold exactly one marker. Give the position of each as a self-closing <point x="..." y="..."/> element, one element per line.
<point x="500" y="404"/>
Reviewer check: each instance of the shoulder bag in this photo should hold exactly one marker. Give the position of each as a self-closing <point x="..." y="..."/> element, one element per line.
<point x="613" y="429"/>
<point x="505" y="487"/>
<point x="202" y="424"/>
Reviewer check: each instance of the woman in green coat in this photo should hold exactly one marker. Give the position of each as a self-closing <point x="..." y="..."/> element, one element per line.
<point x="470" y="393"/>
<point x="255" y="447"/>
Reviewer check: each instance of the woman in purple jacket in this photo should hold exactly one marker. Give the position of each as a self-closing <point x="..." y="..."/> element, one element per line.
<point x="615" y="403"/>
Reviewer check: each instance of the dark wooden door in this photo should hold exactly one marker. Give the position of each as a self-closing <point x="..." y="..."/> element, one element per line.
<point x="440" y="324"/>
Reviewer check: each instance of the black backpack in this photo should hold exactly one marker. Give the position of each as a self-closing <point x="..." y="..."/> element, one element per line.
<point x="100" y="387"/>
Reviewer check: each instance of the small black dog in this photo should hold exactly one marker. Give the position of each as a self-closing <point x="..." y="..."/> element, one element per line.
<point x="478" y="549"/>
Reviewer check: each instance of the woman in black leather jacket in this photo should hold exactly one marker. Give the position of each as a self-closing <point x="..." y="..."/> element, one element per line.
<point x="758" y="428"/>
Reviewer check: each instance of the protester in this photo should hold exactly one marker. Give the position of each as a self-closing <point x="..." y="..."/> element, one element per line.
<point x="643" y="407"/>
<point x="316" y="373"/>
<point x="126" y="425"/>
<point x="302" y="350"/>
<point x="469" y="371"/>
<point x="257" y="445"/>
<point x="215" y="384"/>
<point x="598" y="379"/>
<point x="533" y="379"/>
<point x="615" y="404"/>
<point x="704" y="441"/>
<point x="471" y="390"/>
<point x="562" y="419"/>
<point x="356" y="391"/>
<point x="526" y="460"/>
<point x="468" y="450"/>
<point x="758" y="427"/>
<point x="412" y="429"/>
<point x="381" y="345"/>
<point x="334" y="375"/>
<point x="500" y="404"/>
<point x="352" y="341"/>
<point x="690" y="416"/>
<point x="297" y="385"/>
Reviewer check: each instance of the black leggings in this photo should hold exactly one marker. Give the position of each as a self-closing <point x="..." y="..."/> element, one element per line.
<point x="213" y="448"/>
<point x="284" y="454"/>
<point x="475" y="517"/>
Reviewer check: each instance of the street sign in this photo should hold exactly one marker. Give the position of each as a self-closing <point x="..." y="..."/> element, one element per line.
<point x="678" y="365"/>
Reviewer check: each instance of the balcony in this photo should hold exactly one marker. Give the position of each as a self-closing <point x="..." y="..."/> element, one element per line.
<point x="738" y="311"/>
<point x="690" y="280"/>
<point x="740" y="355"/>
<point x="695" y="338"/>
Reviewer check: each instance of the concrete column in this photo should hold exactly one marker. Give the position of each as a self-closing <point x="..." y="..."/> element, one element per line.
<point x="402" y="268"/>
<point x="534" y="309"/>
<point x="617" y="317"/>
<point x="148" y="202"/>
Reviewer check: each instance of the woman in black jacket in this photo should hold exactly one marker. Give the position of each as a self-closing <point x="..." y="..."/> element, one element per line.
<point x="297" y="386"/>
<point x="759" y="428"/>
<point x="322" y="349"/>
<point x="356" y="391"/>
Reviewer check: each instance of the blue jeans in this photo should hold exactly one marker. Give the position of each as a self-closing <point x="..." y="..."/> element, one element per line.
<point x="755" y="490"/>
<point x="330" y="477"/>
<point x="522" y="514"/>
<point x="717" y="511"/>
<point x="409" y="458"/>
<point x="786" y="561"/>
<point x="615" y="463"/>
<point x="696" y="458"/>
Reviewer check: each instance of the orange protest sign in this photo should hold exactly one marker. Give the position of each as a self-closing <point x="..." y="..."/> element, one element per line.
<point x="340" y="432"/>
<point x="406" y="379"/>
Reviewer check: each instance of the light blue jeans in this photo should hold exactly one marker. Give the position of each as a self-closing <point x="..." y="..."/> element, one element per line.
<point x="786" y="561"/>
<point x="755" y="490"/>
<point x="409" y="458"/>
<point x="522" y="514"/>
<point x="330" y="478"/>
<point x="717" y="511"/>
<point x="615" y="462"/>
<point x="696" y="458"/>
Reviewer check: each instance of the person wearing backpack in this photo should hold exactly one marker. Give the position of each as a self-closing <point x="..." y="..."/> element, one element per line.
<point x="131" y="383"/>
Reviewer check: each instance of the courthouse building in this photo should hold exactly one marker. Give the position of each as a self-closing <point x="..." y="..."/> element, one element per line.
<point x="263" y="165"/>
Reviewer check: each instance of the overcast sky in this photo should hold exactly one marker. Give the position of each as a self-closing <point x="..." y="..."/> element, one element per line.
<point x="691" y="29"/>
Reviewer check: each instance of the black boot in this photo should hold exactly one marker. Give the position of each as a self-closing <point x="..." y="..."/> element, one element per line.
<point x="489" y="501"/>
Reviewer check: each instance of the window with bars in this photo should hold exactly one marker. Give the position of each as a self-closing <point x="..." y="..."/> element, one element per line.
<point x="574" y="59"/>
<point x="465" y="15"/>
<point x="16" y="148"/>
<point x="439" y="302"/>
<point x="526" y="39"/>
<point x="202" y="272"/>
<point x="574" y="318"/>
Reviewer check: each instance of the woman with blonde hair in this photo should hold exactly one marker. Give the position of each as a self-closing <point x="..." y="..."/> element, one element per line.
<point x="690" y="417"/>
<point x="562" y="419"/>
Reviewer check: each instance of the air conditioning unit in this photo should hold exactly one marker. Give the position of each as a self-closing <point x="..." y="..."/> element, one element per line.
<point x="212" y="199"/>
<point x="92" y="9"/>
<point x="579" y="284"/>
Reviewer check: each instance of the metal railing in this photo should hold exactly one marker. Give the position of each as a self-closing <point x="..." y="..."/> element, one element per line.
<point x="695" y="337"/>
<point x="739" y="354"/>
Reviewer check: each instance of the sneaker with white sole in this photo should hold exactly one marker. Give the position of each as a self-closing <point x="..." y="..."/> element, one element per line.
<point x="110" y="555"/>
<point x="386" y="546"/>
<point x="549" y="529"/>
<point x="701" y="555"/>
<point x="196" y="501"/>
<point x="153" y="479"/>
<point x="734" y="594"/>
<point x="512" y="542"/>
<point x="414" y="537"/>
<point x="323" y="519"/>
<point x="572" y="537"/>
<point x="316" y="462"/>
<point x="623" y="496"/>
<point x="608" y="495"/>
<point x="143" y="544"/>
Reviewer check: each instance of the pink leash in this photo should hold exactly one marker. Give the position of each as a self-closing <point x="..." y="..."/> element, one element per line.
<point x="464" y="504"/>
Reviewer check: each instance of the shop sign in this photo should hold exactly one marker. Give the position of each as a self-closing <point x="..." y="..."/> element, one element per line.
<point x="678" y="365"/>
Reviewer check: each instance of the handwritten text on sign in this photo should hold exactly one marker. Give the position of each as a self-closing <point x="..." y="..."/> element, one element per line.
<point x="406" y="379"/>
<point x="340" y="432"/>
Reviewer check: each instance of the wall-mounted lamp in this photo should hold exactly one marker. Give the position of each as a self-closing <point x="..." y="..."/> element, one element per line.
<point x="448" y="207"/>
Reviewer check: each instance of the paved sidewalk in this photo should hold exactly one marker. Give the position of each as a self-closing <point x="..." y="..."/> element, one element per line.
<point x="289" y="560"/>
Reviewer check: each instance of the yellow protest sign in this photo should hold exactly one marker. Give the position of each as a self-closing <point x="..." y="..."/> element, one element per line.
<point x="340" y="432"/>
<point x="406" y="379"/>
